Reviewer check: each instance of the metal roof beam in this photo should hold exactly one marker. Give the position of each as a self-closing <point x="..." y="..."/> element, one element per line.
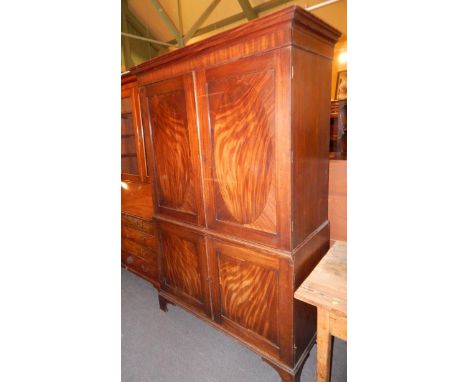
<point x="320" y="5"/>
<point x="249" y="12"/>
<point x="141" y="29"/>
<point x="126" y="43"/>
<point x="237" y="17"/>
<point x="146" y="39"/>
<point x="168" y="22"/>
<point x="200" y="20"/>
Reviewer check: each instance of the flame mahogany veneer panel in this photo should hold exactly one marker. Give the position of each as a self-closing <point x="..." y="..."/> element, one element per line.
<point x="243" y="113"/>
<point x="248" y="296"/>
<point x="169" y="111"/>
<point x="242" y="132"/>
<point x="244" y="297"/>
<point x="172" y="151"/>
<point x="183" y="265"/>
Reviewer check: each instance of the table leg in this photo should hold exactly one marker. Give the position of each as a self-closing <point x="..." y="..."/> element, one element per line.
<point x="323" y="346"/>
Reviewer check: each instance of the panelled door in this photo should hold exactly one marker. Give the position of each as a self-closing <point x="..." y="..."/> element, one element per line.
<point x="169" y="110"/>
<point x="183" y="266"/>
<point x="243" y="113"/>
<point x="249" y="295"/>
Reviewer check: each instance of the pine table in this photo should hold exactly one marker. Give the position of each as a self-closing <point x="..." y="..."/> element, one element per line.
<point x="325" y="288"/>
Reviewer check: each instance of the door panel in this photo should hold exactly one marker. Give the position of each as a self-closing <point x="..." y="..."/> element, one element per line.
<point x="170" y="113"/>
<point x="246" y="294"/>
<point x="242" y="117"/>
<point x="183" y="265"/>
<point x="238" y="112"/>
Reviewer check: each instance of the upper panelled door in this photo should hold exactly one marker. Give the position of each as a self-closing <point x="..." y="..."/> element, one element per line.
<point x="244" y="111"/>
<point x="169" y="111"/>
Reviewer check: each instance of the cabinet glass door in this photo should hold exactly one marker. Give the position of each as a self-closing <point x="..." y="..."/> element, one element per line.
<point x="129" y="149"/>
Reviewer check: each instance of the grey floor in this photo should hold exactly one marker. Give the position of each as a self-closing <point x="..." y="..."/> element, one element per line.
<point x="177" y="347"/>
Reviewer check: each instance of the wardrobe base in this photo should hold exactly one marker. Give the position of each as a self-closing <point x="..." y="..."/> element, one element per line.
<point x="286" y="374"/>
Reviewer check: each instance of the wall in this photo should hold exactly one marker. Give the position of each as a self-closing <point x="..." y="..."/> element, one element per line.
<point x="337" y="200"/>
<point x="341" y="46"/>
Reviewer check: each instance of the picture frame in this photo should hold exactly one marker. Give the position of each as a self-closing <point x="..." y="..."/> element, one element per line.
<point x="341" y="85"/>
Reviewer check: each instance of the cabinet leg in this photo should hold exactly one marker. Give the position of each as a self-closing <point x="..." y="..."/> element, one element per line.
<point x="287" y="375"/>
<point x="324" y="344"/>
<point x="162" y="303"/>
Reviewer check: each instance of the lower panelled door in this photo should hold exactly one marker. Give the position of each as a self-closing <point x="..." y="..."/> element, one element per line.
<point x="249" y="295"/>
<point x="183" y="266"/>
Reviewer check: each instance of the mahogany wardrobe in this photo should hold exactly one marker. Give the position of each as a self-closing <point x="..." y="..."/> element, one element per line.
<point x="225" y="178"/>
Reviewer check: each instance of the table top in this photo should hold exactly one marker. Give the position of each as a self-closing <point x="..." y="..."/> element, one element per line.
<point x="325" y="287"/>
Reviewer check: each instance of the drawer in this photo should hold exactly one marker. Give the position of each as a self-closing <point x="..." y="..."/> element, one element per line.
<point x="137" y="223"/>
<point x="139" y="250"/>
<point x="139" y="236"/>
<point x="139" y="265"/>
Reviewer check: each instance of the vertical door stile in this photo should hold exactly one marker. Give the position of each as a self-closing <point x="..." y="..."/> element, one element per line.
<point x="198" y="86"/>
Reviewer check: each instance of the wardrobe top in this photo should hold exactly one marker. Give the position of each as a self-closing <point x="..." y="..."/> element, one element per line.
<point x="285" y="21"/>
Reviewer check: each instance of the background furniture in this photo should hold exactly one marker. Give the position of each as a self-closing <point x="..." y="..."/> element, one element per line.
<point x="238" y="150"/>
<point x="326" y="288"/>
<point x="338" y="129"/>
<point x="337" y="193"/>
<point x="337" y="199"/>
<point x="138" y="239"/>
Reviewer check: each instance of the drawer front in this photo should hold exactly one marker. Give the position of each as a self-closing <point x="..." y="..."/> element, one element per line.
<point x="137" y="223"/>
<point x="136" y="249"/>
<point x="139" y="237"/>
<point x="140" y="265"/>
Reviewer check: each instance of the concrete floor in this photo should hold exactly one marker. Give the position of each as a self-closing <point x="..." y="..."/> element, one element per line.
<point x="177" y="347"/>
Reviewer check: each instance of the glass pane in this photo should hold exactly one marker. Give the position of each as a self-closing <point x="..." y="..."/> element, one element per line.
<point x="128" y="154"/>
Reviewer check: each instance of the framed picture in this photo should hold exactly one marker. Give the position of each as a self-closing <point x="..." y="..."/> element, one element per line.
<point x="341" y="85"/>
